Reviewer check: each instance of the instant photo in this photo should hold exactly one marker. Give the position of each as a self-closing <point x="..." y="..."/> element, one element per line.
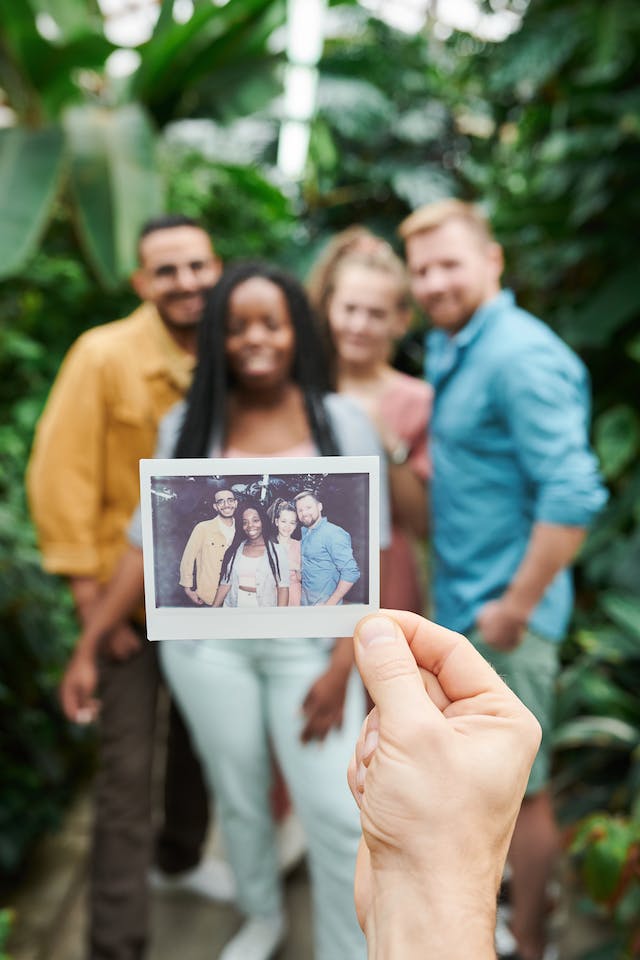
<point x="259" y="547"/>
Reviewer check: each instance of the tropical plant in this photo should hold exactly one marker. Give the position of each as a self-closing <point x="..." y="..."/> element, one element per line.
<point x="81" y="135"/>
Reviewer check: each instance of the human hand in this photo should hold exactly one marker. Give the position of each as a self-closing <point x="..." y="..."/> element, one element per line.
<point x="194" y="596"/>
<point x="439" y="772"/>
<point x="502" y="626"/>
<point x="77" y="689"/>
<point x="323" y="705"/>
<point x="121" y="643"/>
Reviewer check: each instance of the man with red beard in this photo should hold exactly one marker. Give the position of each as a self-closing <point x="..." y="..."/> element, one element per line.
<point x="101" y="418"/>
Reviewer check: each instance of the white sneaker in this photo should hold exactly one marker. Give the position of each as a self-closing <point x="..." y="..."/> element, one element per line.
<point x="211" y="878"/>
<point x="257" y="939"/>
<point x="290" y="842"/>
<point x="505" y="941"/>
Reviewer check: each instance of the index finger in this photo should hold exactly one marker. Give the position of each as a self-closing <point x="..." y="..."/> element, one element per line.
<point x="462" y="672"/>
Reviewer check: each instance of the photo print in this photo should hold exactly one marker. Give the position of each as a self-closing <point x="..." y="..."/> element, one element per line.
<point x="245" y="548"/>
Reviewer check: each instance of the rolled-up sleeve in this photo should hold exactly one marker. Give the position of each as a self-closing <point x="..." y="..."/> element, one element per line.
<point x="547" y="404"/>
<point x="66" y="472"/>
<point x="342" y="555"/>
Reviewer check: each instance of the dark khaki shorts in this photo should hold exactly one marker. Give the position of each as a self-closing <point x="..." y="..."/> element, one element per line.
<point x="530" y="670"/>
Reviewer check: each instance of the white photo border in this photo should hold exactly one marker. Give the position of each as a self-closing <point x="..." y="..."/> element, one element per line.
<point x="202" y="623"/>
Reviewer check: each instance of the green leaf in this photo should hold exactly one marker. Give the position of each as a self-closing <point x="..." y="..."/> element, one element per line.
<point x="623" y="610"/>
<point x="31" y="163"/>
<point x="617" y="439"/>
<point x="72" y="17"/>
<point x="213" y="41"/>
<point x="114" y="182"/>
<point x="355" y="108"/>
<point x="596" y="732"/>
<point x="609" y="306"/>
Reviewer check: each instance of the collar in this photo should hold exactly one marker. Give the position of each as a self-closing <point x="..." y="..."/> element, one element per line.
<point x="444" y="351"/>
<point x="162" y="355"/>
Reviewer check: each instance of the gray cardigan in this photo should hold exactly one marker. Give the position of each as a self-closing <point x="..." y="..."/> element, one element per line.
<point x="354" y="433"/>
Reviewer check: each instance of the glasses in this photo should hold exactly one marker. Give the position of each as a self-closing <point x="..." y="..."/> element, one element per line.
<point x="227" y="502"/>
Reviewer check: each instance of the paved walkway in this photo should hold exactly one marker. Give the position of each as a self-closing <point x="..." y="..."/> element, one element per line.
<point x="50" y="907"/>
<point x="50" y="915"/>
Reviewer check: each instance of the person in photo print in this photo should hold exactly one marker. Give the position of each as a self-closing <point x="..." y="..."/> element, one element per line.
<point x="284" y="518"/>
<point x="255" y="570"/>
<point x="205" y="549"/>
<point x="329" y="568"/>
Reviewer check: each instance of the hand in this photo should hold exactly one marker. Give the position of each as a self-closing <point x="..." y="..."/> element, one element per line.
<point x="194" y="596"/>
<point x="323" y="706"/>
<point x="121" y="643"/>
<point x="78" y="687"/>
<point x="439" y="772"/>
<point x="501" y="625"/>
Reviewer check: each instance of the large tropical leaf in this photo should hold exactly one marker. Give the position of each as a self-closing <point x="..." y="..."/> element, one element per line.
<point x="214" y="41"/>
<point x="41" y="75"/>
<point x="114" y="182"/>
<point x="31" y="163"/>
<point x="72" y="17"/>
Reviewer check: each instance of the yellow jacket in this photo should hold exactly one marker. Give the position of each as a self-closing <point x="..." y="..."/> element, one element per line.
<point x="101" y="418"/>
<point x="205" y="548"/>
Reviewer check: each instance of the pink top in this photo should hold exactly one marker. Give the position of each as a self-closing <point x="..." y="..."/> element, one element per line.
<point x="406" y="407"/>
<point x="304" y="449"/>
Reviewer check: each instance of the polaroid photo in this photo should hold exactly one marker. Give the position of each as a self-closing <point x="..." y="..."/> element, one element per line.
<point x="260" y="547"/>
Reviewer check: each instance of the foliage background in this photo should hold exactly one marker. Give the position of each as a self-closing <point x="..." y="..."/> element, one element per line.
<point x="543" y="129"/>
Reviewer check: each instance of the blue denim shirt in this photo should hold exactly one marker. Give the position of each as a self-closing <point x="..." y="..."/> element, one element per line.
<point x="327" y="558"/>
<point x="509" y="443"/>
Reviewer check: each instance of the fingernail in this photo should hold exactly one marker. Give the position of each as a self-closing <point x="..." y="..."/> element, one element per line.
<point x="377" y="630"/>
<point x="370" y="743"/>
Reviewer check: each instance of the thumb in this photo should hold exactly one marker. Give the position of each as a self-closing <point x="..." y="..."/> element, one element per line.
<point x="389" y="670"/>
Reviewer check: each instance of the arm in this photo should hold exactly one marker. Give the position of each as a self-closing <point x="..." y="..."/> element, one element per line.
<point x="323" y="705"/>
<point x="120" y="597"/>
<point x="283" y="597"/>
<point x="438" y="773"/>
<point x="66" y="472"/>
<point x="187" y="562"/>
<point x="545" y="402"/>
<point x="551" y="548"/>
<point x="408" y="499"/>
<point x="341" y="590"/>
<point x="221" y="593"/>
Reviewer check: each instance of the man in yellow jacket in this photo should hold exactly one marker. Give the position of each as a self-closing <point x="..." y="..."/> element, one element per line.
<point x="102" y="415"/>
<point x="205" y="550"/>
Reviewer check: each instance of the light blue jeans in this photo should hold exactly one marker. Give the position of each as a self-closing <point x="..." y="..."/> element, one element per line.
<point x="237" y="696"/>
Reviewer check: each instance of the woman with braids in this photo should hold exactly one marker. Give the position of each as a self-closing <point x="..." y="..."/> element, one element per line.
<point x="255" y="570"/>
<point x="260" y="389"/>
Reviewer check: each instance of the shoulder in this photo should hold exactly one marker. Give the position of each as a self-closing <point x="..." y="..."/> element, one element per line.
<point x="516" y="334"/>
<point x="410" y="389"/>
<point x="107" y="341"/>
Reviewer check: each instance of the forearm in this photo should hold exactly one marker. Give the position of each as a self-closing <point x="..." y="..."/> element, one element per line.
<point x="429" y="922"/>
<point x="117" y="602"/>
<point x="342" y="656"/>
<point x="85" y="592"/>
<point x="283" y="596"/>
<point x="408" y="499"/>
<point x="341" y="590"/>
<point x="551" y="548"/>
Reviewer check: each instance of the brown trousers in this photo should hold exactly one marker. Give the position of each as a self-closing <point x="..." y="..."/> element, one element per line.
<point x="123" y="832"/>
